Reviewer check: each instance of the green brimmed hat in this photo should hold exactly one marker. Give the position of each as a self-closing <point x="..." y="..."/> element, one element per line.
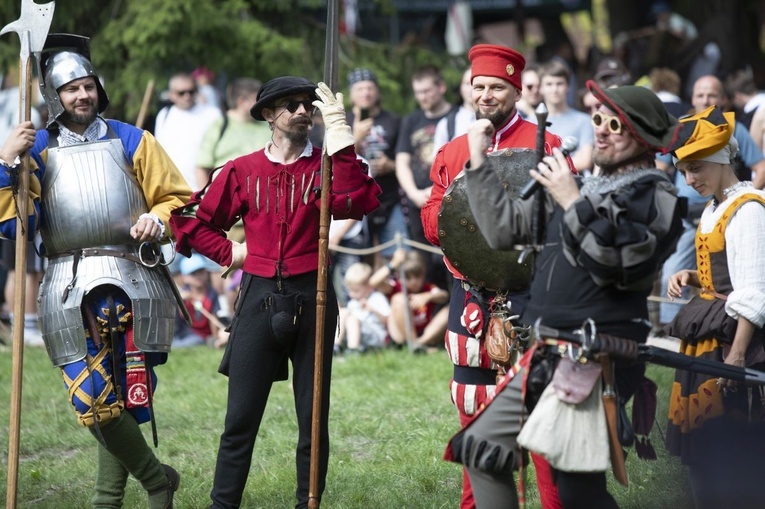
<point x="642" y="113"/>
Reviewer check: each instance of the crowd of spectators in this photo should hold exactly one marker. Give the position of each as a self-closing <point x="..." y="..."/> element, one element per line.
<point x="383" y="265"/>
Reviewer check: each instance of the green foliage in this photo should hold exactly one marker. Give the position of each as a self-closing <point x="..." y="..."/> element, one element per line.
<point x="133" y="42"/>
<point x="391" y="418"/>
<point x="394" y="66"/>
<point x="161" y="38"/>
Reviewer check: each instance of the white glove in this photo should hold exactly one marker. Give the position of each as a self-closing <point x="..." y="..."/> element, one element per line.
<point x="238" y="254"/>
<point x="337" y="133"/>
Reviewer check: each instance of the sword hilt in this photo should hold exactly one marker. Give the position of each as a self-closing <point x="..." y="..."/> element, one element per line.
<point x="591" y="340"/>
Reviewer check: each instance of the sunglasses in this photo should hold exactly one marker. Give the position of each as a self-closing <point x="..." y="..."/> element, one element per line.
<point x="191" y="91"/>
<point x="293" y="106"/>
<point x="612" y="122"/>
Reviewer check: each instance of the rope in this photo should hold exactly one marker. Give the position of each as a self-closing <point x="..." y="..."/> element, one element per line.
<point x="384" y="245"/>
<point x="437" y="250"/>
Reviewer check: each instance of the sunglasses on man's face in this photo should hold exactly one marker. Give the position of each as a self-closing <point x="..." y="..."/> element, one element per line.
<point x="293" y="106"/>
<point x="186" y="92"/>
<point x="612" y="122"/>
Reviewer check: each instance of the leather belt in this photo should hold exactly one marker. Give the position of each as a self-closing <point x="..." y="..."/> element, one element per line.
<point x="78" y="254"/>
<point x="474" y="376"/>
<point x="82" y="253"/>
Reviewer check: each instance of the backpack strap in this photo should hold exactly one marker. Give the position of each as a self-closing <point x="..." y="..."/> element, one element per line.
<point x="451" y="121"/>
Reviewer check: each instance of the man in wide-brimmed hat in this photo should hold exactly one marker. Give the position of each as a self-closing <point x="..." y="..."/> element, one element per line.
<point x="274" y="192"/>
<point x="605" y="238"/>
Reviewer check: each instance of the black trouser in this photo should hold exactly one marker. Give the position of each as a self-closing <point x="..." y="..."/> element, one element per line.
<point x="583" y="490"/>
<point x="255" y="357"/>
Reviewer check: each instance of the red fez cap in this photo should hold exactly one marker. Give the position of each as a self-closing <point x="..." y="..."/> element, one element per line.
<point x="497" y="61"/>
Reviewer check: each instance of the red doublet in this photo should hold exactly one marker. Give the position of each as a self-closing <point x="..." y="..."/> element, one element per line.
<point x="279" y="205"/>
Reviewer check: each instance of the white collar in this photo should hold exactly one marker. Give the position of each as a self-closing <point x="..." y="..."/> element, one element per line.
<point x="307" y="151"/>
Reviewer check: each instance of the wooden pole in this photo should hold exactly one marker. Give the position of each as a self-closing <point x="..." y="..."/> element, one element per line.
<point x="330" y="78"/>
<point x="145" y="104"/>
<point x="20" y="281"/>
<point x="32" y="28"/>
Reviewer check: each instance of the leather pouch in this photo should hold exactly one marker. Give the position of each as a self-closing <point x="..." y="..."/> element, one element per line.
<point x="574" y="381"/>
<point x="497" y="343"/>
<point x="284" y="313"/>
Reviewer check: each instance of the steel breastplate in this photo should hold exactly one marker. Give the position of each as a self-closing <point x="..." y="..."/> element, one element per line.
<point x="90" y="197"/>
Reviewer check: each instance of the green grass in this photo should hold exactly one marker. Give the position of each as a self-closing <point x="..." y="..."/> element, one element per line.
<point x="391" y="418"/>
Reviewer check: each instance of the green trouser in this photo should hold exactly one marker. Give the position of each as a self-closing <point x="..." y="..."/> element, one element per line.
<point x="110" y="481"/>
<point x="126" y="444"/>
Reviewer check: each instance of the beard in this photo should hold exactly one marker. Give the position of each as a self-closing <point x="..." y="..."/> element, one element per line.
<point x="83" y="119"/>
<point x="610" y="164"/>
<point x="298" y="129"/>
<point x="497" y="118"/>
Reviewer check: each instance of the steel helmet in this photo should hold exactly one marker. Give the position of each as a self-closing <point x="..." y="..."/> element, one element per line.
<point x="57" y="68"/>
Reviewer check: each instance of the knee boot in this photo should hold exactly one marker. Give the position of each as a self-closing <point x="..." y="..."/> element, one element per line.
<point x="111" y="479"/>
<point x="126" y="443"/>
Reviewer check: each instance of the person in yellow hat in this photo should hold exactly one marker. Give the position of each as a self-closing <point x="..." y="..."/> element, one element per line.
<point x="715" y="425"/>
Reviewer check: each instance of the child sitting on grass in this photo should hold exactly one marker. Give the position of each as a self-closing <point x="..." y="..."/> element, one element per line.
<point x="363" y="322"/>
<point x="424" y="299"/>
<point x="201" y="302"/>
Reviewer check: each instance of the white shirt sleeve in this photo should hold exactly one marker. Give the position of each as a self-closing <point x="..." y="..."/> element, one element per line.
<point x="745" y="247"/>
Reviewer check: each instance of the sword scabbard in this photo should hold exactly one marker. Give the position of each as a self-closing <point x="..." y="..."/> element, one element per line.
<point x="610" y="404"/>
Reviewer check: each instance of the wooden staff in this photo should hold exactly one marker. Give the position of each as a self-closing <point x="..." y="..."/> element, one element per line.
<point x="145" y="104"/>
<point x="32" y="27"/>
<point x="330" y="78"/>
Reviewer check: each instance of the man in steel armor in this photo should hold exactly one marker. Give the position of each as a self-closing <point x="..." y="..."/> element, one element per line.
<point x="496" y="84"/>
<point x="276" y="191"/>
<point x="606" y="237"/>
<point x="101" y="192"/>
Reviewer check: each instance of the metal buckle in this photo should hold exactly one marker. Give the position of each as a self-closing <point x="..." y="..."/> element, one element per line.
<point x="157" y="257"/>
<point x="172" y="258"/>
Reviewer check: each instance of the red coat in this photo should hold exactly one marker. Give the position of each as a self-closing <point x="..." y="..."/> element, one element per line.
<point x="279" y="206"/>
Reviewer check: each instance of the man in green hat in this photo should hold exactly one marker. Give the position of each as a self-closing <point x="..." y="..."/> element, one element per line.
<point x="606" y="236"/>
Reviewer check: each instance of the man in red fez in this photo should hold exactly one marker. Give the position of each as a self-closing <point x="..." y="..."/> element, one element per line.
<point x="497" y="88"/>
